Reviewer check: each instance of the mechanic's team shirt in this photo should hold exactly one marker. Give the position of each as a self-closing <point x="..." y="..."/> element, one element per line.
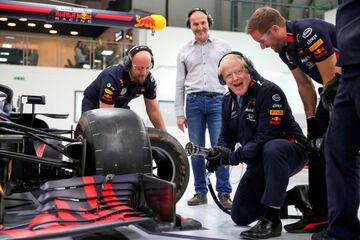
<point x="113" y="86"/>
<point x="309" y="41"/>
<point x="261" y="115"/>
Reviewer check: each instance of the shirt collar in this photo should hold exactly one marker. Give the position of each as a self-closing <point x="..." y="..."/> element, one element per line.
<point x="210" y="39"/>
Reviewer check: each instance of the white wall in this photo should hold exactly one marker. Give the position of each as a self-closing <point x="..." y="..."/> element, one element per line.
<point x="57" y="84"/>
<point x="166" y="44"/>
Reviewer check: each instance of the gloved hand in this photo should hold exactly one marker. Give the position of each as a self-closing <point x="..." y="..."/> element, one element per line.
<point x="219" y="156"/>
<point x="312" y="128"/>
<point x="328" y="94"/>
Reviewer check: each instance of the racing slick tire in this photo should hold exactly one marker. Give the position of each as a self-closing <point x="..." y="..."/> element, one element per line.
<point x="170" y="162"/>
<point x="116" y="142"/>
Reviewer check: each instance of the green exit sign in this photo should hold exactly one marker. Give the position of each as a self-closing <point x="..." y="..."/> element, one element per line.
<point x="19" y="78"/>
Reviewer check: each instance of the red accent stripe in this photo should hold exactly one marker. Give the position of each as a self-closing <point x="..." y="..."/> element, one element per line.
<point x="40" y="149"/>
<point x="336" y="54"/>
<point x="290" y="38"/>
<point x="112" y="17"/>
<point x="25" y="9"/>
<point x="67" y="216"/>
<point x="61" y="204"/>
<point x="90" y="190"/>
<point x="313" y="225"/>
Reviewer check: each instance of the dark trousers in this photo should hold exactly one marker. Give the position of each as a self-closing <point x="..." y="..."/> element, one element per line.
<point x="317" y="178"/>
<point x="264" y="183"/>
<point x="343" y="161"/>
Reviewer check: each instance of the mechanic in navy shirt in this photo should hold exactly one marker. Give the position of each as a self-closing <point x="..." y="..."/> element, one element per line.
<point x="309" y="48"/>
<point x="117" y="85"/>
<point x="256" y="114"/>
<point x="342" y="144"/>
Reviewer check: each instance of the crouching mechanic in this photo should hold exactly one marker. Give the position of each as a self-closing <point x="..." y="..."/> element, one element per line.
<point x="256" y="114"/>
<point x="117" y="85"/>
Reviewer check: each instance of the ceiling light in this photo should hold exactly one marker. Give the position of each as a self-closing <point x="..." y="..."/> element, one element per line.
<point x="74" y="33"/>
<point x="4" y="19"/>
<point x="9" y="37"/>
<point x="23" y="19"/>
<point x="11" y="24"/>
<point x="53" y="31"/>
<point x="107" y="52"/>
<point x="47" y="25"/>
<point x="4" y="53"/>
<point x="31" y="24"/>
<point x="3" y="59"/>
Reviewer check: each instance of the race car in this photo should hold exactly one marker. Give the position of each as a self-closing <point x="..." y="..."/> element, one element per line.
<point x="110" y="171"/>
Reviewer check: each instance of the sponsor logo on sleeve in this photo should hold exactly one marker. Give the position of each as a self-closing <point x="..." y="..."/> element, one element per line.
<point x="276" y="112"/>
<point x="307" y="32"/>
<point x="316" y="45"/>
<point x="276" y="97"/>
<point x="108" y="91"/>
<point x="276" y="105"/>
<point x="310" y="40"/>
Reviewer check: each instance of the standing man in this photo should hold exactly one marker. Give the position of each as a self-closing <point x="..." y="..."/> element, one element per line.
<point x="117" y="85"/>
<point x="342" y="144"/>
<point x="309" y="48"/>
<point x="197" y="78"/>
<point x="257" y="115"/>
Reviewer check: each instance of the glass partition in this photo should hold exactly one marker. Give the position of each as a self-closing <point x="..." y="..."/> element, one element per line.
<point x="59" y="52"/>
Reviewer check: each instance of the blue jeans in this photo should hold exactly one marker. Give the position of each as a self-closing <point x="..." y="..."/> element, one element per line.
<point x="205" y="111"/>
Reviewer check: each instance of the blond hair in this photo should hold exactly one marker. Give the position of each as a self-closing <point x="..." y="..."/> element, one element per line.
<point x="229" y="58"/>
<point x="263" y="18"/>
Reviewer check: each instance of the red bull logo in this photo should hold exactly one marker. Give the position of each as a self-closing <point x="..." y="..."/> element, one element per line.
<point x="84" y="16"/>
<point x="147" y="22"/>
<point x="81" y="17"/>
<point x="154" y="22"/>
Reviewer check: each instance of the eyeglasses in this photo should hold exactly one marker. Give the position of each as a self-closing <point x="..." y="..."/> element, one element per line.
<point x="142" y="68"/>
<point x="229" y="76"/>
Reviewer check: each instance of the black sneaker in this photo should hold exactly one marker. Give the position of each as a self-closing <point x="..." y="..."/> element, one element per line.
<point x="197" y="199"/>
<point x="262" y="230"/>
<point x="307" y="224"/>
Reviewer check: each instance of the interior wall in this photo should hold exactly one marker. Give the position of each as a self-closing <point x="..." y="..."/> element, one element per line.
<point x="60" y="84"/>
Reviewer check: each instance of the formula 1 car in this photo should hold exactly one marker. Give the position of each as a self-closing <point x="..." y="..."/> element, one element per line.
<point x="111" y="171"/>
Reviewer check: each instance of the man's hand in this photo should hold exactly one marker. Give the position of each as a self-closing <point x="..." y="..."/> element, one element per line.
<point x="181" y="123"/>
<point x="312" y="128"/>
<point x="329" y="92"/>
<point x="220" y="156"/>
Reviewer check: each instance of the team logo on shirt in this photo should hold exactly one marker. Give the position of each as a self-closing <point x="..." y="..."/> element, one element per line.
<point x="275" y="120"/>
<point x="307" y="32"/>
<point x="320" y="52"/>
<point x="316" y="45"/>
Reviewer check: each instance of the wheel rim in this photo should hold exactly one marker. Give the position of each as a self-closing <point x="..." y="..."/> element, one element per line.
<point x="163" y="166"/>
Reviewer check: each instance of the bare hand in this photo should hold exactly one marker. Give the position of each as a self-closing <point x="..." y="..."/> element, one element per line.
<point x="181" y="123"/>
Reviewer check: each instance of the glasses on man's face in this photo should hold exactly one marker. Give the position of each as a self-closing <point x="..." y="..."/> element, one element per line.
<point x="229" y="76"/>
<point x="142" y="68"/>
